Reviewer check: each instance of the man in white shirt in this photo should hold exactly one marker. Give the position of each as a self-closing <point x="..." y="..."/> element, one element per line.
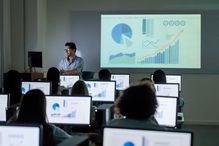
<point x="71" y="64"/>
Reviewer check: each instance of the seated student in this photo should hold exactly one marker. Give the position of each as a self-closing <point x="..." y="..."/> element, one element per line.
<point x="53" y="75"/>
<point x="79" y="89"/>
<point x="12" y="86"/>
<point x="33" y="111"/>
<point x="159" y="76"/>
<point x="149" y="82"/>
<point x="137" y="105"/>
<point x="104" y="75"/>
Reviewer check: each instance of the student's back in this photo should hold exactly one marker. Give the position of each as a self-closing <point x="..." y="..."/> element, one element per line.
<point x="137" y="105"/>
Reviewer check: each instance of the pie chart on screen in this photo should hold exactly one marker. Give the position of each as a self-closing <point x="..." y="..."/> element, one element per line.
<point x="129" y="144"/>
<point x="122" y="34"/>
<point x="55" y="106"/>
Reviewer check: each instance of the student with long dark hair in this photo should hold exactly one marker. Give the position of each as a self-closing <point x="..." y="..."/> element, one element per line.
<point x="79" y="89"/>
<point x="33" y="111"/>
<point x="53" y="75"/>
<point x="12" y="86"/>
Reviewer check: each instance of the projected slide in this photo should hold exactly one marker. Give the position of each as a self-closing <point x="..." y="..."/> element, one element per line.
<point x="68" y="110"/>
<point x="133" y="137"/>
<point x="3" y="106"/>
<point x="138" y="41"/>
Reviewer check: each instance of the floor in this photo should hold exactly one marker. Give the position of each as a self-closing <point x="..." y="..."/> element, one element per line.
<point x="204" y="135"/>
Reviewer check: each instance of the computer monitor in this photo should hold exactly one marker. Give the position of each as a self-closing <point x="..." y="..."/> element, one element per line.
<point x="43" y="86"/>
<point x="69" y="110"/>
<point x="122" y="81"/>
<point x="20" y="135"/>
<point x="102" y="91"/>
<point x="168" y="89"/>
<point x="173" y="78"/>
<point x="166" y="111"/>
<point x="35" y="59"/>
<point x="3" y="105"/>
<point x="140" y="137"/>
<point x="68" y="80"/>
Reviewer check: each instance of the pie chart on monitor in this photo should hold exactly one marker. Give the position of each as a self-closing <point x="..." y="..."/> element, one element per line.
<point x="122" y="34"/>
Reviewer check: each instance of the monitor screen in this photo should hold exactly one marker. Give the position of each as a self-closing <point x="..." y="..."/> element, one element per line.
<point x="169" y="89"/>
<point x="173" y="79"/>
<point x="72" y="110"/>
<point x="20" y="135"/>
<point x="166" y="111"/>
<point x="137" y="137"/>
<point x="122" y="81"/>
<point x="35" y="59"/>
<point x="68" y="80"/>
<point x="102" y="91"/>
<point x="3" y="106"/>
<point x="44" y="86"/>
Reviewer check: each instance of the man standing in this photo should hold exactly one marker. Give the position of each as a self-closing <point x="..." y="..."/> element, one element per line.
<point x="71" y="64"/>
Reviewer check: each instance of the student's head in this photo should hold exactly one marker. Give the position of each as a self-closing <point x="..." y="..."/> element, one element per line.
<point x="33" y="107"/>
<point x="159" y="76"/>
<point x="70" y="49"/>
<point x="79" y="89"/>
<point x="53" y="75"/>
<point x="104" y="75"/>
<point x="12" y="86"/>
<point x="137" y="102"/>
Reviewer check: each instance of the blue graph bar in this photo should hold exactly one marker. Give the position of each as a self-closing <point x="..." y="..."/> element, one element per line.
<point x="144" y="26"/>
<point x="147" y="26"/>
<point x="168" y="56"/>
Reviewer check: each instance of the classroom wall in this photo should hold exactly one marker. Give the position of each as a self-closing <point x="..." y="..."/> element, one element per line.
<point x="49" y="25"/>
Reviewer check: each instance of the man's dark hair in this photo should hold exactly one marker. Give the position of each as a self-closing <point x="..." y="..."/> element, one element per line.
<point x="137" y="102"/>
<point x="159" y="76"/>
<point x="71" y="45"/>
<point x="104" y="75"/>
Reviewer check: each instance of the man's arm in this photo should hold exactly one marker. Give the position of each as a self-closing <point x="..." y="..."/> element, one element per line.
<point x="77" y="70"/>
